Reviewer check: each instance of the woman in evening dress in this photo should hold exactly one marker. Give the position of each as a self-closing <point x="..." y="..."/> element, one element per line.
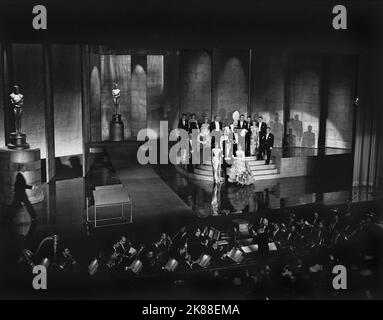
<point x="240" y="171"/>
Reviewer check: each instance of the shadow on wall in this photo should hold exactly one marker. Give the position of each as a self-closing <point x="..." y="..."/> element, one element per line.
<point x="68" y="167"/>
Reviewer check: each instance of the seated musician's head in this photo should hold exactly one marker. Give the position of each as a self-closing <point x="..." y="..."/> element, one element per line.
<point x="268" y="130"/>
<point x="66" y="252"/>
<point x="123" y="240"/>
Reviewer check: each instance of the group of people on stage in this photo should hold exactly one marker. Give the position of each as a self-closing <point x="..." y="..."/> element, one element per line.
<point x="239" y="139"/>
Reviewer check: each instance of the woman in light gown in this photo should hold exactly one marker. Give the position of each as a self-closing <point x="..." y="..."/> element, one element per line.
<point x="240" y="171"/>
<point x="205" y="139"/>
<point x="216" y="162"/>
<point x="254" y="140"/>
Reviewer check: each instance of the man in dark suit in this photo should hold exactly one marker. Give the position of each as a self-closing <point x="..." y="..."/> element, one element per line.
<point x="262" y="127"/>
<point x="183" y="123"/>
<point x="243" y="124"/>
<point x="215" y="128"/>
<point x="268" y="144"/>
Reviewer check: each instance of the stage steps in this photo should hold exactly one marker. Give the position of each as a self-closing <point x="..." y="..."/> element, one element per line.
<point x="259" y="170"/>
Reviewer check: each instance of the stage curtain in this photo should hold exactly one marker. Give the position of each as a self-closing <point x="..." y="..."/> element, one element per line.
<point x="368" y="158"/>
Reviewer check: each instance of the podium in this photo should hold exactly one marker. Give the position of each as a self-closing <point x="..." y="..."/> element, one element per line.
<point x="116" y="128"/>
<point x="110" y="196"/>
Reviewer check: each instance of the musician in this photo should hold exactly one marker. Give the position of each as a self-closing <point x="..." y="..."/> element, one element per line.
<point x="120" y="248"/>
<point x="264" y="233"/>
<point x="278" y="235"/>
<point x="319" y="235"/>
<point x="181" y="238"/>
<point x="164" y="244"/>
<point x="67" y="262"/>
<point x="292" y="236"/>
<point x="216" y="252"/>
<point x="215" y="128"/>
<point x="194" y="243"/>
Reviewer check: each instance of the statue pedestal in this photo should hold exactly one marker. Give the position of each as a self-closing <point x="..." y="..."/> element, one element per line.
<point x="116" y="128"/>
<point x="18" y="141"/>
<point x="28" y="163"/>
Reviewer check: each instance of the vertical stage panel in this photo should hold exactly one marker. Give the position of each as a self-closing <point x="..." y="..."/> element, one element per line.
<point x="172" y="89"/>
<point x="155" y="91"/>
<point x="268" y="90"/>
<point x="66" y="75"/>
<point x="196" y="83"/>
<point x="115" y="69"/>
<point x="95" y="96"/>
<point x="28" y="71"/>
<point x="139" y="94"/>
<point x="231" y="81"/>
<point x="339" y="122"/>
<point x="2" y="93"/>
<point x="304" y="99"/>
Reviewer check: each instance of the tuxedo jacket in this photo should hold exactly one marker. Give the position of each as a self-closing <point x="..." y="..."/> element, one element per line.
<point x="212" y="126"/>
<point x="245" y="125"/>
<point x="269" y="141"/>
<point x="182" y="126"/>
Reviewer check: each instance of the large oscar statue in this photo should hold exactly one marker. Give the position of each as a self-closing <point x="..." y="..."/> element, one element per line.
<point x="20" y="165"/>
<point x="18" y="139"/>
<point x="116" y="129"/>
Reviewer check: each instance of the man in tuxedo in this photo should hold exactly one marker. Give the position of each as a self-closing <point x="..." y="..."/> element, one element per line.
<point x="243" y="124"/>
<point x="262" y="127"/>
<point x="183" y="123"/>
<point x="268" y="144"/>
<point x="215" y="127"/>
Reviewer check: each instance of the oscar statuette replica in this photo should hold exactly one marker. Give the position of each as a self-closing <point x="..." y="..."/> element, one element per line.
<point x="116" y="129"/>
<point x="20" y="165"/>
<point x="18" y="139"/>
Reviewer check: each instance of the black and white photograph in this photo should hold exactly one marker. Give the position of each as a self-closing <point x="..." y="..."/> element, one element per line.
<point x="215" y="151"/>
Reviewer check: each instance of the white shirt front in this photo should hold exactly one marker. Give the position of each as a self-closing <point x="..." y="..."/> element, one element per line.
<point x="216" y="126"/>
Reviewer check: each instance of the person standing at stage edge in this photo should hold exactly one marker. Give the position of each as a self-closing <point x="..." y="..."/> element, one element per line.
<point x="243" y="124"/>
<point x="262" y="128"/>
<point x="216" y="126"/>
<point x="268" y="144"/>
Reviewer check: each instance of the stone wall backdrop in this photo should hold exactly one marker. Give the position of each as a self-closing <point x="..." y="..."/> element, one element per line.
<point x="172" y="89"/>
<point x="304" y="98"/>
<point x="196" y="83"/>
<point x="231" y="82"/>
<point x="66" y="77"/>
<point x="138" y="112"/>
<point x="95" y="96"/>
<point x="155" y="91"/>
<point x="268" y="91"/>
<point x="340" y="102"/>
